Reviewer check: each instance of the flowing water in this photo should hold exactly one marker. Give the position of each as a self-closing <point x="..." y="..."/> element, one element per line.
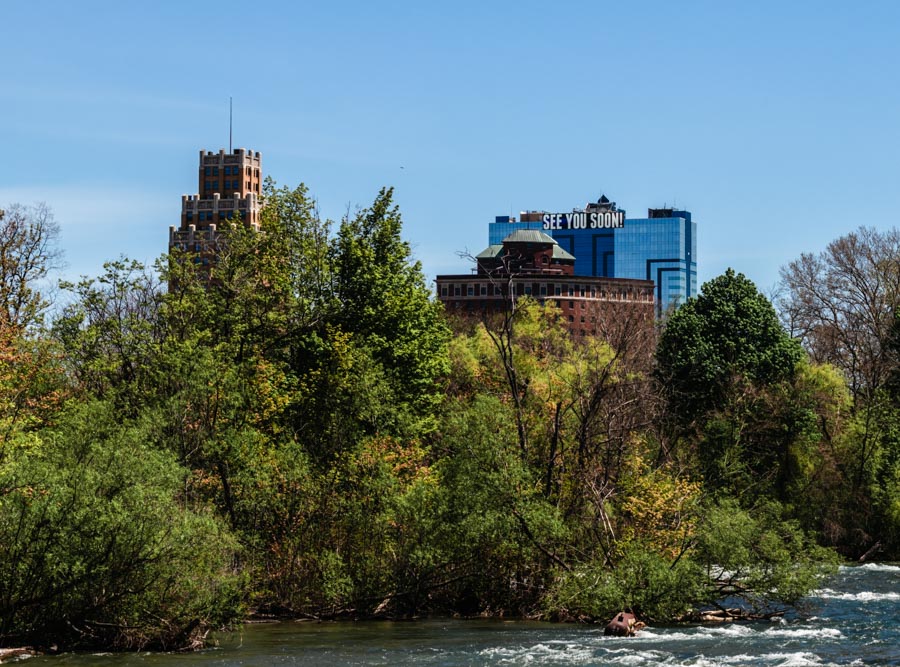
<point x="853" y="620"/>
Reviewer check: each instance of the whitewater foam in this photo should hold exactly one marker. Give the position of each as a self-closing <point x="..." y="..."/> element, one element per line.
<point x="804" y="633"/>
<point x="864" y="596"/>
<point x="869" y="567"/>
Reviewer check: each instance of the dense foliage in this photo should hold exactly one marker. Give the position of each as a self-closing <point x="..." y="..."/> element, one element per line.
<point x="301" y="435"/>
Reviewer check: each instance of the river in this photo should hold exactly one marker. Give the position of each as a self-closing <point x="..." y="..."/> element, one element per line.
<point x="853" y="620"/>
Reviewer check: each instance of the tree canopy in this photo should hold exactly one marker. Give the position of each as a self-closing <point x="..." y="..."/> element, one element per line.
<point x="729" y="331"/>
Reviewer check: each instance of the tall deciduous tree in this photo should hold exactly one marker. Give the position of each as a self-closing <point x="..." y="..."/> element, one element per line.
<point x="729" y="331"/>
<point x="385" y="302"/>
<point x="28" y="252"/>
<point x="841" y="303"/>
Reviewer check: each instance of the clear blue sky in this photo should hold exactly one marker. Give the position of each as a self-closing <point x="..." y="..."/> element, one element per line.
<point x="776" y="123"/>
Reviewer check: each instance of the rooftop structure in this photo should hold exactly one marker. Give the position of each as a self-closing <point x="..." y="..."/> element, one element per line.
<point x="532" y="263"/>
<point x="661" y="247"/>
<point x="229" y="189"/>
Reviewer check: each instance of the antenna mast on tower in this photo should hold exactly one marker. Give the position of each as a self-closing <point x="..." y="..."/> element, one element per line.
<point x="230" y="117"/>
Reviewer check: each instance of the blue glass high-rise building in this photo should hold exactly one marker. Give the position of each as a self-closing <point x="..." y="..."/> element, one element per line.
<point x="661" y="247"/>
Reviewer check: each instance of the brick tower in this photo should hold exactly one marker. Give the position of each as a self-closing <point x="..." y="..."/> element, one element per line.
<point x="229" y="186"/>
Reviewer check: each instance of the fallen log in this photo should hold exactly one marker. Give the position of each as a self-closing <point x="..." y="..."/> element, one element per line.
<point x="9" y="653"/>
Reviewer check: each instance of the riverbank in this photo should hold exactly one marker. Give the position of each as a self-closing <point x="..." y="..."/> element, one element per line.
<point x="853" y="618"/>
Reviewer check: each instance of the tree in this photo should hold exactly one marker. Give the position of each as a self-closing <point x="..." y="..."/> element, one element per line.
<point x="841" y="304"/>
<point x="28" y="252"/>
<point x="97" y="549"/>
<point x="730" y="331"/>
<point x="112" y="333"/>
<point x="385" y="302"/>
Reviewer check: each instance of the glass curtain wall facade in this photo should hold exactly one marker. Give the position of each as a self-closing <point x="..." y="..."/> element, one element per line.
<point x="661" y="247"/>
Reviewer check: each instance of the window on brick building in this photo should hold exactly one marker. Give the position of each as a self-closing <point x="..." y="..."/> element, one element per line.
<point x="443" y="290"/>
<point x="470" y="290"/>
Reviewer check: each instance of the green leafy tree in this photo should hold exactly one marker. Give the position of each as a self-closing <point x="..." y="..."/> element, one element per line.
<point x="97" y="550"/>
<point x="384" y="301"/>
<point x="729" y="331"/>
<point x="111" y="333"/>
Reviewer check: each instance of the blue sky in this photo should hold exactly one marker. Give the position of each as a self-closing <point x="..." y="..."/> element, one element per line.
<point x="777" y="124"/>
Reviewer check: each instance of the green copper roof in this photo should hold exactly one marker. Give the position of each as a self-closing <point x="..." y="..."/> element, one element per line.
<point x="559" y="253"/>
<point x="490" y="252"/>
<point x="529" y="236"/>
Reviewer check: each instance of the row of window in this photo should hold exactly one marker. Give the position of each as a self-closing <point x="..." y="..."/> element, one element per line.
<point x="213" y="186"/>
<point x="230" y="171"/>
<point x="526" y="289"/>
<point x="469" y="307"/>
<point x="208" y="215"/>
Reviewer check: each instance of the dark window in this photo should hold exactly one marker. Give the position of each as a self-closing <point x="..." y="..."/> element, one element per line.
<point x="207" y="171"/>
<point x="215" y="171"/>
<point x="470" y="291"/>
<point x="443" y="290"/>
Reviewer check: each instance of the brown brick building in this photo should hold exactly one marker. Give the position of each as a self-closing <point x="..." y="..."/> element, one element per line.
<point x="230" y="186"/>
<point x="531" y="263"/>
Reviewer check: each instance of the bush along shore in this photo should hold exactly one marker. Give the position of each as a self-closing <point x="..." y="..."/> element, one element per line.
<point x="308" y="435"/>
